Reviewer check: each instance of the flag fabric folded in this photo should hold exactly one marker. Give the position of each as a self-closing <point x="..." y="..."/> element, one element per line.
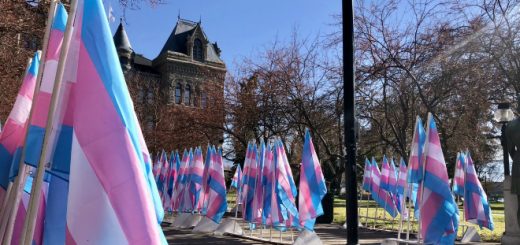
<point x="380" y="196"/>
<point x="476" y="205"/>
<point x="285" y="187"/>
<point x="22" y="212"/>
<point x="244" y="184"/>
<point x="439" y="214"/>
<point x="400" y="189"/>
<point x="267" y="183"/>
<point x="163" y="175"/>
<point x="458" y="177"/>
<point x="12" y="137"/>
<point x="385" y="175"/>
<point x="205" y="179"/>
<point x="178" y="193"/>
<point x="195" y="188"/>
<point x="237" y="177"/>
<point x="366" y="176"/>
<point x="312" y="186"/>
<point x="416" y="155"/>
<point x="250" y="184"/>
<point x="401" y="184"/>
<point x="110" y="164"/>
<point x="259" y="188"/>
<point x="43" y="97"/>
<point x="216" y="191"/>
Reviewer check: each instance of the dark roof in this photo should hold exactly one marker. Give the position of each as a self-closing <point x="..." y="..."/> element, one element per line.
<point x="121" y="39"/>
<point x="177" y="40"/>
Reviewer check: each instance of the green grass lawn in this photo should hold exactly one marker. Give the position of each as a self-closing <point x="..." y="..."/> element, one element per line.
<point x="386" y="222"/>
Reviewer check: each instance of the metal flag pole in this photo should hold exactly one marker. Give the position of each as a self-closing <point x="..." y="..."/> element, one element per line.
<point x="30" y="221"/>
<point x="7" y="205"/>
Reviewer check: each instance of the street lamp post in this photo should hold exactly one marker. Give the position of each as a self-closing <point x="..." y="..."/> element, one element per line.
<point x="504" y="115"/>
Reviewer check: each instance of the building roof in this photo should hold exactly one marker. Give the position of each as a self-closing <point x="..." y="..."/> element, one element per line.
<point x="177" y="42"/>
<point x="121" y="40"/>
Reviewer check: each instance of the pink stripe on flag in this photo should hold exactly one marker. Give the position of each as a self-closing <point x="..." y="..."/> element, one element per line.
<point x="39" y="116"/>
<point x="106" y="144"/>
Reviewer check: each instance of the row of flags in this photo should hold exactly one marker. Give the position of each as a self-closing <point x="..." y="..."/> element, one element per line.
<point x="466" y="184"/>
<point x="192" y="184"/>
<point x="267" y="191"/>
<point x="74" y="117"/>
<point x="425" y="182"/>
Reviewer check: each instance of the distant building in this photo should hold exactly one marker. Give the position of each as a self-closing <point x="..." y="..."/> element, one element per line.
<point x="179" y="94"/>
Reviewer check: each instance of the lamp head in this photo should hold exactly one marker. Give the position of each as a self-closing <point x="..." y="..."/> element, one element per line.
<point x="504" y="113"/>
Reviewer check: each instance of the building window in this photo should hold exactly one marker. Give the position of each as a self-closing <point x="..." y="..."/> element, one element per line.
<point x="187" y="94"/>
<point x="140" y="96"/>
<point x="196" y="98"/>
<point x="149" y="122"/>
<point x="178" y="93"/>
<point x="198" y="50"/>
<point x="149" y="97"/>
<point x="204" y="100"/>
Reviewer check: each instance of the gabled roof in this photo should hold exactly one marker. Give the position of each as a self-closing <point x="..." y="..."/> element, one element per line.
<point x="179" y="36"/>
<point x="121" y="39"/>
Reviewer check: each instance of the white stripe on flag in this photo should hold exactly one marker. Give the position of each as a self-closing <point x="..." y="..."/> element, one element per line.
<point x="90" y="216"/>
<point x="21" y="109"/>
<point x="49" y="75"/>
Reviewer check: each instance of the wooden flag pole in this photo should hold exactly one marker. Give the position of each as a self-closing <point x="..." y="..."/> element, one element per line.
<point x="21" y="177"/>
<point x="410" y="192"/>
<point x="30" y="221"/>
<point x="403" y="202"/>
<point x="4" y="213"/>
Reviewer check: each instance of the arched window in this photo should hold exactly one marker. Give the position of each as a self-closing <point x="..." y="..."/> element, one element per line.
<point x="198" y="50"/>
<point x="187" y="94"/>
<point x="178" y="93"/>
<point x="204" y="100"/>
<point x="196" y="98"/>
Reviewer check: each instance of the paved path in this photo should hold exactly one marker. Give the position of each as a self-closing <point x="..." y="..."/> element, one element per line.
<point x="328" y="233"/>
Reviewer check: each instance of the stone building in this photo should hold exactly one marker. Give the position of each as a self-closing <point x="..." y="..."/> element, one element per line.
<point x="178" y="95"/>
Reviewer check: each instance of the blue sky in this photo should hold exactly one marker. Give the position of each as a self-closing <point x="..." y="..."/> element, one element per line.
<point x="241" y="28"/>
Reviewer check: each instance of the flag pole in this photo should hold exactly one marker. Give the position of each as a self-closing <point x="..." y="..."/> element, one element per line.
<point x="424" y="170"/>
<point x="410" y="193"/>
<point x="30" y="221"/>
<point x="7" y="203"/>
<point x="13" y="204"/>
<point x="367" y="205"/>
<point x="403" y="202"/>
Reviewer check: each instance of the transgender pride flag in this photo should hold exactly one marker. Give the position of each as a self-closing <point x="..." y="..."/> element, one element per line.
<point x="237" y="177"/>
<point x="250" y="176"/>
<point x="180" y="183"/>
<point x="416" y="155"/>
<point x="438" y="211"/>
<point x="111" y="197"/>
<point x="312" y="186"/>
<point x="385" y="175"/>
<point x="476" y="205"/>
<point x="366" y="176"/>
<point x="285" y="187"/>
<point x="216" y="191"/>
<point x="43" y="97"/>
<point x="458" y="179"/>
<point x="12" y="136"/>
<point x="267" y="183"/>
<point x="195" y="181"/>
<point x="379" y="195"/>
